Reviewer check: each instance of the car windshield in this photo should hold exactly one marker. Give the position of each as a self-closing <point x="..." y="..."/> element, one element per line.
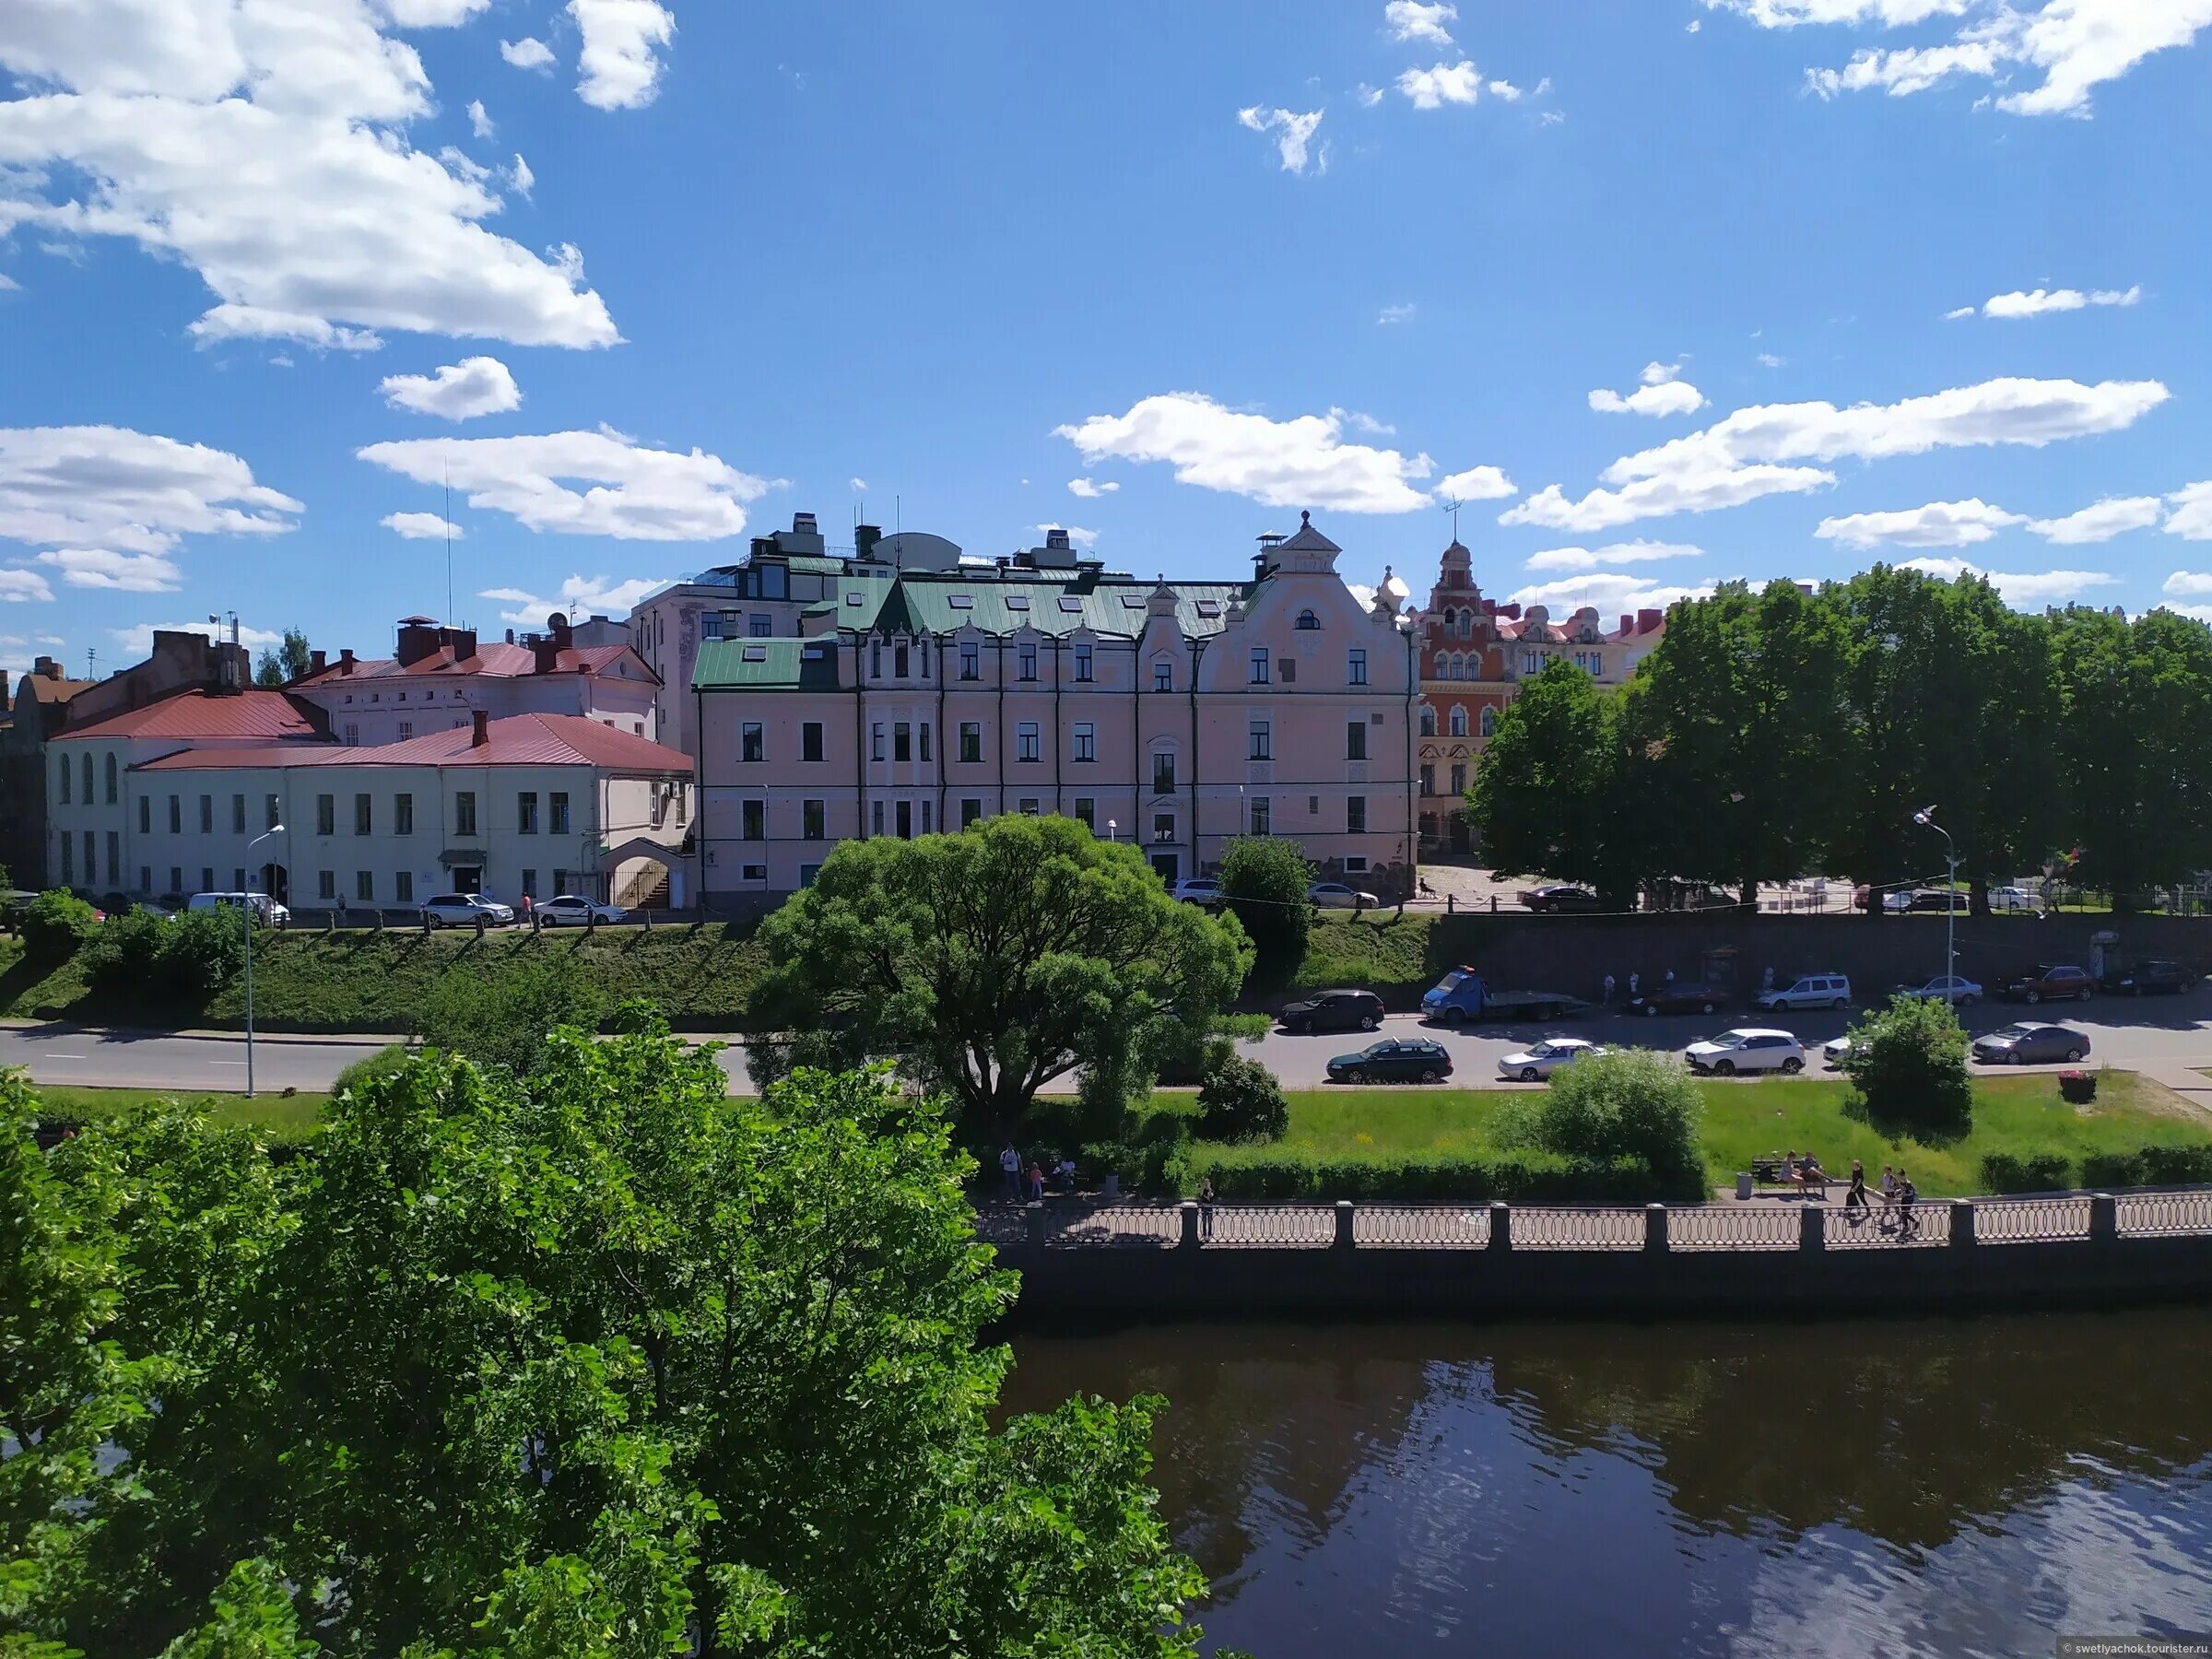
<point x="1731" y="1040"/>
<point x="1450" y="980"/>
<point x="2014" y="1033"/>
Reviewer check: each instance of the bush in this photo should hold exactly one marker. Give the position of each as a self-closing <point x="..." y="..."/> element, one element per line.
<point x="138" y="957"/>
<point x="370" y="1068"/>
<point x="2177" y="1166"/>
<point x="1289" y="1175"/>
<point x="1263" y="883"/>
<point x="122" y="957"/>
<point x="1242" y="1100"/>
<point x="1907" y="1067"/>
<point x="2026" y="1172"/>
<point x="2112" y="1169"/>
<point x="1631" y="1106"/>
<point x="55" y="924"/>
<point x="202" y="951"/>
<point x="502" y="1019"/>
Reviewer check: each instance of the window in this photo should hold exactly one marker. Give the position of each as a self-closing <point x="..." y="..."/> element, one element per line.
<point x="1262" y="747"/>
<point x="353" y="733"/>
<point x="1025" y="659"/>
<point x="875" y="659"/>
<point x="176" y="815"/>
<point x="971" y="740"/>
<point x="1087" y="741"/>
<point x="206" y="815"/>
<point x="557" y="809"/>
<point x="207" y="878"/>
<point x="970" y="811"/>
<point x="1490" y="722"/>
<point x="1354" y="815"/>
<point x="68" y="853"/>
<point x="710" y="625"/>
<point x="530" y="884"/>
<point x="808" y="872"/>
<point x="754" y="873"/>
<point x="525" y="812"/>
<point x="402" y="815"/>
<point x="752" y="821"/>
<point x="403" y="887"/>
<point x="926" y="818"/>
<point x="1354" y="863"/>
<point x="898" y="662"/>
<point x="810" y="820"/>
<point x="1086" y="811"/>
<point x="327" y="886"/>
<point x="1290" y="670"/>
<point x="1307" y="619"/>
<point x="146" y="879"/>
<point x="1163" y="826"/>
<point x="1082" y="661"/>
<point x="1428" y="720"/>
<point x="176" y="879"/>
<point x="238" y="815"/>
<point x="1025" y="740"/>
<point x="238" y="881"/>
<point x="751" y="745"/>
<point x="876" y="749"/>
<point x="464" y="812"/>
<point x="1532" y="662"/>
<point x="364" y="815"/>
<point x="326" y="815"/>
<point x="406" y="730"/>
<point x="811" y="740"/>
<point x="271" y="817"/>
<point x="904" y="819"/>
<point x="1429" y="780"/>
<point x="64" y="800"/>
<point x="87" y="770"/>
<point x="1355" y="741"/>
<point x="1164" y="773"/>
<point x="1163" y="675"/>
<point x="925" y="740"/>
<point x="1459" y="720"/>
<point x="146" y="815"/>
<point x="760" y="626"/>
<point x="364" y="885"/>
<point x="1459" y="779"/>
<point x="114" y="856"/>
<point x="971" y="660"/>
<point x="1026" y="806"/>
<point x="1355" y="668"/>
<point x="1259" y="665"/>
<point x="1263" y="814"/>
<point x="903" y="741"/>
<point x="111" y="797"/>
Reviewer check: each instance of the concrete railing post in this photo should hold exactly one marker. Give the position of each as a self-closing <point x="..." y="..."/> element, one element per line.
<point x="1344" y="1224"/>
<point x="2104" y="1219"/>
<point x="1501" y="1226"/>
<point x="1654" y="1227"/>
<point x="1190" y="1225"/>
<point x="1962" y="1221"/>
<point x="1812" y="1228"/>
<point x="1032" y="1219"/>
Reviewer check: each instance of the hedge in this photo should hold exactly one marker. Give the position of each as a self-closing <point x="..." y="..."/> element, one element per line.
<point x="1285" y="1175"/>
<point x="2054" y="1171"/>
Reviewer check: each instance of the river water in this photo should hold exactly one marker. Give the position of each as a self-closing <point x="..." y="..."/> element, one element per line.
<point x="1920" y="1486"/>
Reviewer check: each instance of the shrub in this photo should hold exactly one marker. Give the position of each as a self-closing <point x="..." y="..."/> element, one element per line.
<point x="1242" y="1100"/>
<point x="2176" y="1166"/>
<point x="370" y="1068"/>
<point x="503" y="1019"/>
<point x="2112" y="1169"/>
<point x="56" y="924"/>
<point x="1907" y="1067"/>
<point x="1293" y="1174"/>
<point x="139" y="957"/>
<point x="1263" y="883"/>
<point x="122" y="957"/>
<point x="2043" y="1171"/>
<point x="1631" y="1106"/>
<point x="202" y="951"/>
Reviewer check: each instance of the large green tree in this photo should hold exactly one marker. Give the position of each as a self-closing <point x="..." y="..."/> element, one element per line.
<point x="991" y="962"/>
<point x="281" y="664"/>
<point x="1551" y="796"/>
<point x="1263" y="883"/>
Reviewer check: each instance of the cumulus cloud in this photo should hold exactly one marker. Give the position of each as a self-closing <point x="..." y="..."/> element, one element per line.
<point x="2019" y="590"/>
<point x="528" y="54"/>
<point x="138" y="641"/>
<point x="1476" y="483"/>
<point x="1292" y="132"/>
<point x="1395" y="313"/>
<point x="2041" y="302"/>
<point x="2192" y="516"/>
<point x="478" y="121"/>
<point x="1411" y="21"/>
<point x="126" y="573"/>
<point x="1612" y="591"/>
<point x="1937" y="524"/>
<point x="420" y="526"/>
<point x="110" y="486"/>
<point x="1076" y="533"/>
<point x="1090" y="488"/>
<point x="635" y="493"/>
<point x="2115" y="516"/>
<point x="476" y="386"/>
<point x="433" y="14"/>
<point x="2189" y="583"/>
<point x="1300" y="462"/>
<point x="1441" y="83"/>
<point x="1662" y="392"/>
<point x="264" y="146"/>
<point x="1618" y="553"/>
<point x="1749" y="453"/>
<point x="586" y="595"/>
<point x="17" y="587"/>
<point x="620" y="62"/>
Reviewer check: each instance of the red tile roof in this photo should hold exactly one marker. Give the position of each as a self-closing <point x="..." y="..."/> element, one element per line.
<point x="201" y="714"/>
<point x="519" y="740"/>
<point x="497" y="660"/>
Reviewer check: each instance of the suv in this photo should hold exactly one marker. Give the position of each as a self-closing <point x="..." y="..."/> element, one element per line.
<point x="2049" y="982"/>
<point x="463" y="910"/>
<point x="1808" y="991"/>
<point x="1333" y="1011"/>
<point x="1748" y="1049"/>
<point x="1197" y="889"/>
<point x="2150" y="976"/>
<point x="269" y="912"/>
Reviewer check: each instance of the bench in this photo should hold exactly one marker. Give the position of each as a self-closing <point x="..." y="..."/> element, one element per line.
<point x="1772" y="1170"/>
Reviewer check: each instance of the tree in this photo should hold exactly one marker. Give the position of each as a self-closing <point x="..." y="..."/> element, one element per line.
<point x="502" y="1018"/>
<point x="1242" y="1100"/>
<point x="281" y="664"/>
<point x="1263" y="883"/>
<point x="1551" y="794"/>
<point x="1632" y="1105"/>
<point x="991" y="962"/>
<point x="1907" y="1066"/>
<point x="602" y="1362"/>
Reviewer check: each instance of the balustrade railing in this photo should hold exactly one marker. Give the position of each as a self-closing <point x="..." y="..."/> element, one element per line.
<point x="1421" y="1227"/>
<point x="2031" y="1221"/>
<point x="1577" y="1227"/>
<point x="1735" y="1227"/>
<point x="1283" y="1225"/>
<point x="2149" y="1214"/>
<point x="1887" y="1227"/>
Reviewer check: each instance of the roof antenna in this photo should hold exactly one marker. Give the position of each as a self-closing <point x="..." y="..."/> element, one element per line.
<point x="1453" y="508"/>
<point x="449" y="544"/>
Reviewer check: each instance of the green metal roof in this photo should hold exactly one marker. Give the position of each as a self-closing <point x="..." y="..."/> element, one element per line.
<point x="768" y="663"/>
<point x="933" y="605"/>
<point x="811" y="565"/>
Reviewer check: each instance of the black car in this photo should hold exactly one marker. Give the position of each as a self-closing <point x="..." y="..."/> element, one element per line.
<point x="1558" y="900"/>
<point x="2030" y="1044"/>
<point x="2151" y="977"/>
<point x="1333" y="1011"/>
<point x="1938" y="899"/>
<point x="1394" y="1060"/>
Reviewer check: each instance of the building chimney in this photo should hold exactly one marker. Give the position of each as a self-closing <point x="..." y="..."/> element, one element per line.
<point x="479" y="732"/>
<point x="47" y="669"/>
<point x="803" y="523"/>
<point x="346" y="660"/>
<point x="511" y="636"/>
<point x="1627" y="625"/>
<point x="545" y="654"/>
<point x="317" y="661"/>
<point x="564" y="635"/>
<point x="1648" y="621"/>
<point x="865" y="538"/>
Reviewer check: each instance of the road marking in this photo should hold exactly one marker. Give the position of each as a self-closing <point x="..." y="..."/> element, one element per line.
<point x="72" y="1059"/>
<point x="226" y="1062"/>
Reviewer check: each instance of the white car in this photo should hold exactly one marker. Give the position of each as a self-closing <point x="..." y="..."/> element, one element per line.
<point x="2011" y="898"/>
<point x="1540" y="1060"/>
<point x="267" y="908"/>
<point x="1197" y="889"/>
<point x="1944" y="987"/>
<point x="1808" y="991"/>
<point x="1835" y="1053"/>
<point x="571" y="910"/>
<point x="1335" y="895"/>
<point x="462" y="910"/>
<point x="1751" y="1049"/>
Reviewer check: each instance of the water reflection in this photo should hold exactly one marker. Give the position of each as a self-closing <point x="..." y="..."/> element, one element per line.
<point x="1922" y="1487"/>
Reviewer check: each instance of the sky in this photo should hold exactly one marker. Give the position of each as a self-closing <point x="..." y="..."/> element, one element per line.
<point x="1640" y="294"/>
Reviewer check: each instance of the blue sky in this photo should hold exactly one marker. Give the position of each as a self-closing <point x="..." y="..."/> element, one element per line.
<point x="644" y="279"/>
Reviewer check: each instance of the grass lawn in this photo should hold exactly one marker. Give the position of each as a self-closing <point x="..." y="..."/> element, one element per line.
<point x="292" y="1119"/>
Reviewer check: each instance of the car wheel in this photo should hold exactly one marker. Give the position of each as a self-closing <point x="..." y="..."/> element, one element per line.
<point x="1650" y="1009"/>
<point x="2073" y="1056"/>
<point x="1367" y="1022"/>
<point x="2086" y="992"/>
<point x="1529" y="1074"/>
<point x="2032" y="998"/>
<point x="1355" y="1075"/>
<point x="1428" y="1074"/>
<point x="1969" y="1000"/>
<point x="1724" y="1068"/>
<point x="1793" y="1065"/>
<point x="1455" y="1017"/>
<point x="1705" y="1007"/>
<point x="1304" y="1028"/>
<point x="2017" y="1058"/>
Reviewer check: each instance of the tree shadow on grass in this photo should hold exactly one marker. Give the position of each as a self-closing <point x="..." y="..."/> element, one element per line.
<point x="1939" y="1127"/>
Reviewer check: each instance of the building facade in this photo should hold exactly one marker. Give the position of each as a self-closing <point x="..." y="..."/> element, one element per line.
<point x="40" y="709"/>
<point x="1466" y="683"/>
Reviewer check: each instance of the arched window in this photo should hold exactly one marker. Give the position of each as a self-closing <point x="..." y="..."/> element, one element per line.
<point x="1451" y="620"/>
<point x="1306" y="619"/>
<point x="64" y="779"/>
<point x="1490" y="722"/>
<point x="1459" y="720"/>
<point x="1466" y="625"/>
<point x="1428" y="720"/>
<point x="88" y="778"/>
<point x="111" y="777"/>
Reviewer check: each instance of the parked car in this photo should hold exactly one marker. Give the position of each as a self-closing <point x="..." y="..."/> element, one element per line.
<point x="2151" y="976"/>
<point x="1394" y="1060"/>
<point x="1808" y="991"/>
<point x="1936" y="899"/>
<point x="1835" y="1053"/>
<point x="267" y="908"/>
<point x="1751" y="1049"/>
<point x="1944" y="987"/>
<point x="1197" y="889"/>
<point x="1335" y="895"/>
<point x="2011" y="898"/>
<point x="1689" y="998"/>
<point x="2031" y="1045"/>
<point x="1333" y="1011"/>
<point x="1559" y="897"/>
<point x="2048" y="982"/>
<point x="1538" y="1061"/>
<point x="1897" y="901"/>
<point x="462" y="910"/>
<point x="575" y="910"/>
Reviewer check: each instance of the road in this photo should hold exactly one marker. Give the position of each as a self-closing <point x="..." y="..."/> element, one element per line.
<point x="2167" y="1036"/>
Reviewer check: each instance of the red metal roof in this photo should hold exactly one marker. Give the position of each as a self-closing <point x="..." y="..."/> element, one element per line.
<point x="519" y="740"/>
<point x="496" y="660"/>
<point x="201" y="714"/>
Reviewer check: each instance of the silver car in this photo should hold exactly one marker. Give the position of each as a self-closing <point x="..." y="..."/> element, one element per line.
<point x="1335" y="895"/>
<point x="464" y="910"/>
<point x="572" y="910"/>
<point x="1536" y="1063"/>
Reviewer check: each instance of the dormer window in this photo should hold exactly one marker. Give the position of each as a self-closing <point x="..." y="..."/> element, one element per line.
<point x="1306" y="620"/>
<point x="1259" y="665"/>
<point x="1163" y="675"/>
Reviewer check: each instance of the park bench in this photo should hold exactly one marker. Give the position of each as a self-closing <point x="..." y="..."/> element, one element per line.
<point x="1772" y="1170"/>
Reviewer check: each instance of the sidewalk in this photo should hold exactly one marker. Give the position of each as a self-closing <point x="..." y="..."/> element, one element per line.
<point x="62" y="1027"/>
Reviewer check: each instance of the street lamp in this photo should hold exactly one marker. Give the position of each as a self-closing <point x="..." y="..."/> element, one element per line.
<point x="1926" y="818"/>
<point x="273" y="831"/>
<point x="1112" y="828"/>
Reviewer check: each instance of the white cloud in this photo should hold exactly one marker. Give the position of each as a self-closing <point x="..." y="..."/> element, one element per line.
<point x="2020" y="589"/>
<point x="527" y="54"/>
<point x="1612" y="591"/>
<point x="129" y="573"/>
<point x="1362" y="422"/>
<point x="1663" y="392"/>
<point x="1904" y="71"/>
<point x="584" y="595"/>
<point x="1411" y="21"/>
<point x="1789" y="13"/>
<point x="1368" y="96"/>
<point x="1433" y="87"/>
<point x="1506" y="90"/>
<point x="2100" y="522"/>
<point x="857" y="485"/>
<point x="1395" y="313"/>
<point x="478" y="121"/>
<point x="1744" y="456"/>
<point x="1954" y="315"/>
<point x="138" y="642"/>
<point x="264" y="145"/>
<point x="521" y="178"/>
<point x="420" y="526"/>
<point x="2192" y="516"/>
<point x="19" y="585"/>
<point x="1769" y="360"/>
<point x="2200" y="612"/>
<point x="1294" y="132"/>
<point x="1090" y="489"/>
<point x="1937" y="524"/>
<point x="101" y="486"/>
<point x="1618" y="553"/>
<point x="2041" y="302"/>
<point x="1476" y="483"/>
<point x="476" y="386"/>
<point x="1300" y="462"/>
<point x="8" y="285"/>
<point x="433" y="14"/>
<point x="635" y="494"/>
<point x="1076" y="533"/>
<point x="619" y="67"/>
<point x="2189" y="582"/>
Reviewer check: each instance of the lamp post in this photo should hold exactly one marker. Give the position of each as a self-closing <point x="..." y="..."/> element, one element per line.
<point x="1926" y="818"/>
<point x="272" y="831"/>
<point x="1112" y="828"/>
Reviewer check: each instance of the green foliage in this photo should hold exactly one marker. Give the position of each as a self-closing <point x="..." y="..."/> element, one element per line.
<point x="1908" y="1067"/>
<point x="1263" y="883"/>
<point x="138" y="957"/>
<point x="1242" y="1100"/>
<point x="2113" y="1170"/>
<point x="372" y="1067"/>
<point x="1631" y="1106"/>
<point x="56" y="924"/>
<point x="2032" y="1171"/>
<point x="504" y="1020"/>
<point x="1289" y="1175"/>
<point x="1552" y="795"/>
<point x="278" y="666"/>
<point x="572" y="1365"/>
<point x="991" y="962"/>
<point x="2176" y="1166"/>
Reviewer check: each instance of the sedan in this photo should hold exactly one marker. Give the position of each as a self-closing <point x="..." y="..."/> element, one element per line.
<point x="1539" y="1062"/>
<point x="1690" y="998"/>
<point x="1944" y="987"/>
<point x="571" y="909"/>
<point x="2031" y="1045"/>
<point x="1394" y="1060"/>
<point x="1559" y="899"/>
<point x="1752" y="1049"/>
<point x="1335" y="895"/>
<point x="463" y="910"/>
<point x="2011" y="898"/>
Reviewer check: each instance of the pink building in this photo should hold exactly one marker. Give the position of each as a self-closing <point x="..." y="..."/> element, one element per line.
<point x="1179" y="716"/>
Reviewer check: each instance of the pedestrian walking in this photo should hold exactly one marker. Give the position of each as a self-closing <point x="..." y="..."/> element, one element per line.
<point x="526" y="907"/>
<point x="1206" y="1207"/>
<point x="1855" y="1207"/>
<point x="1766" y="982"/>
<point x="1908" y="1220"/>
<point x="1608" y="990"/>
<point x="1633" y="979"/>
<point x="1010" y="1165"/>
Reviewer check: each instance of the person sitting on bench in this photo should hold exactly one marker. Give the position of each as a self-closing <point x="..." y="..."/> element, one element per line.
<point x="1807" y="1172"/>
